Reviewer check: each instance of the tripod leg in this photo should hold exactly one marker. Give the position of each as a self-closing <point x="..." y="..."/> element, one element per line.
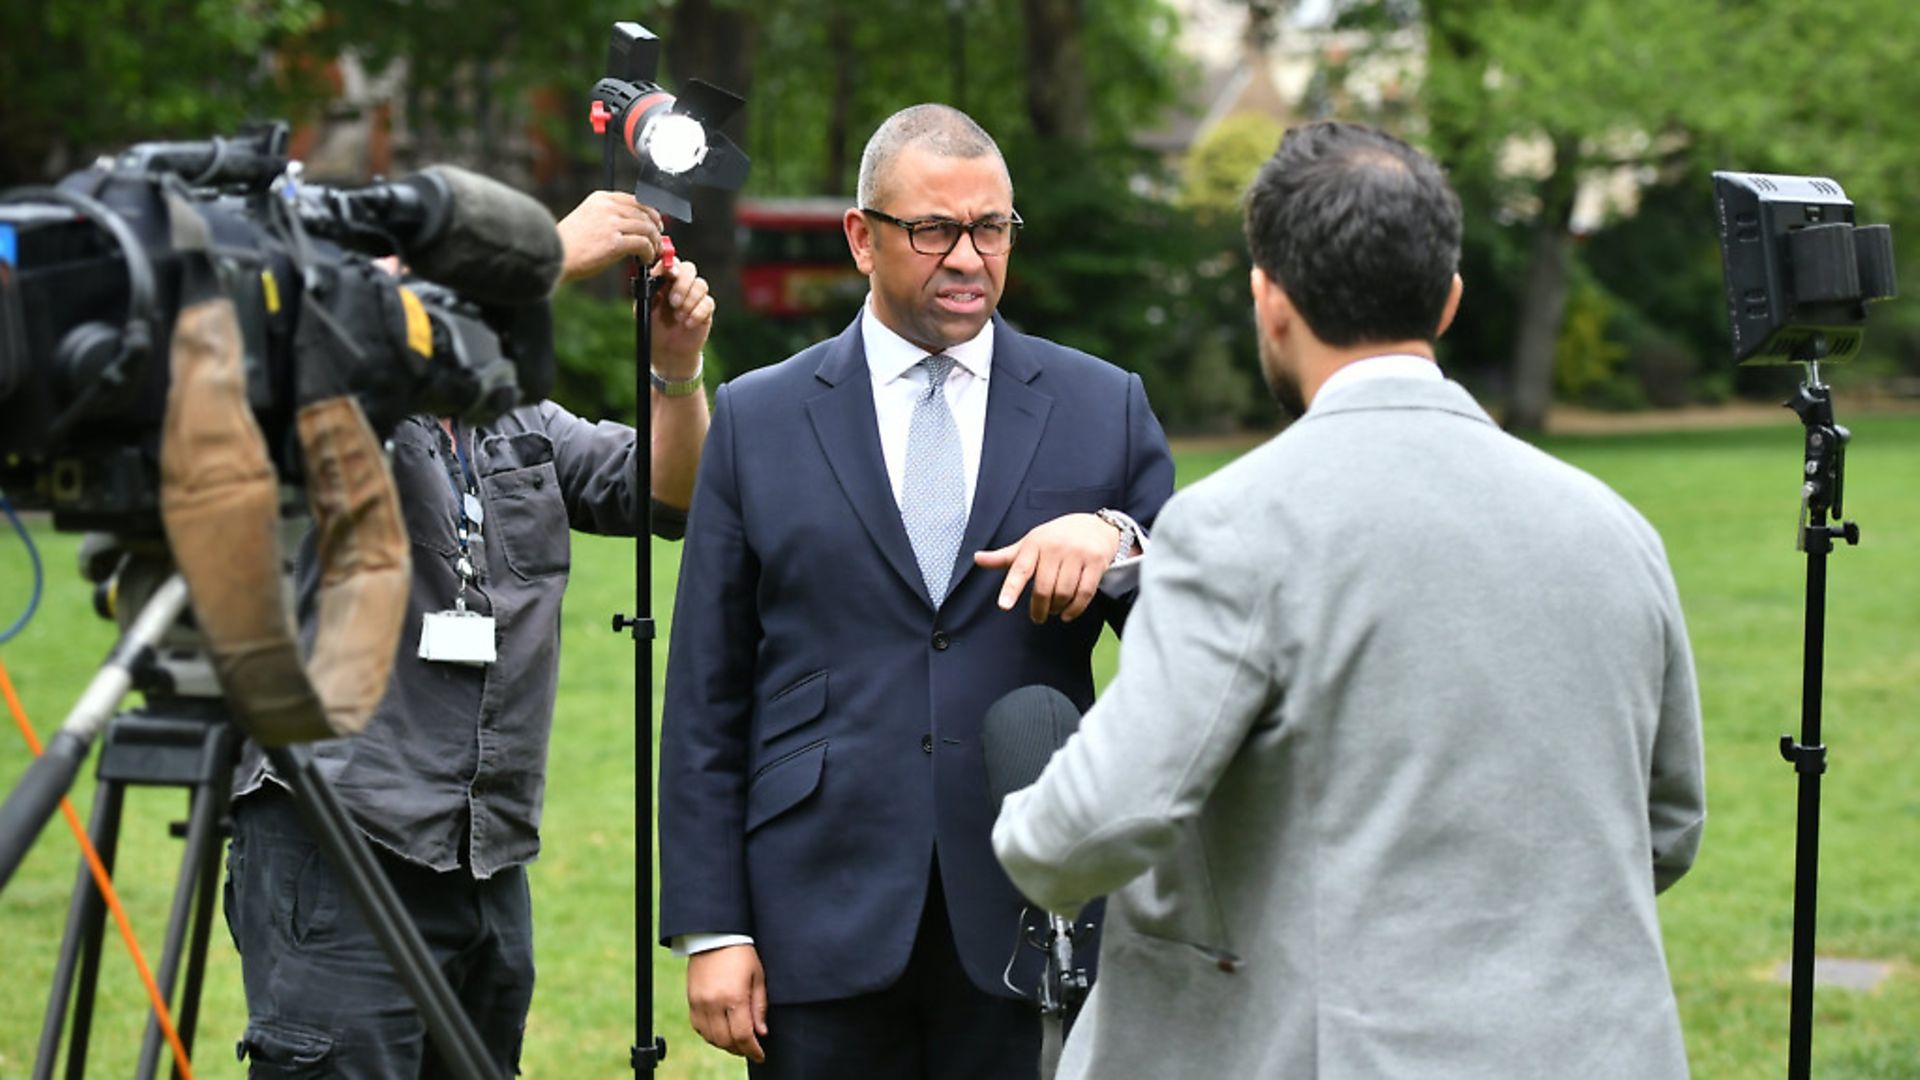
<point x="188" y="1017"/>
<point x="80" y="946"/>
<point x="201" y="820"/>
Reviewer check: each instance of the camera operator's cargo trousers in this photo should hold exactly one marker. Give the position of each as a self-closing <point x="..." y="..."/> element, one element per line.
<point x="321" y="994"/>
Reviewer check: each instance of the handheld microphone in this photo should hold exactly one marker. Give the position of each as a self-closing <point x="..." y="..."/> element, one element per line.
<point x="1018" y="736"/>
<point x="472" y="234"/>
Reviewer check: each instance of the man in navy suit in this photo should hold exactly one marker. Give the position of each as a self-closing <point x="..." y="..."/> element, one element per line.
<point x="867" y="515"/>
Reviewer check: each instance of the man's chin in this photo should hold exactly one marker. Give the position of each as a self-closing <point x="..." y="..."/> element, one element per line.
<point x="951" y="328"/>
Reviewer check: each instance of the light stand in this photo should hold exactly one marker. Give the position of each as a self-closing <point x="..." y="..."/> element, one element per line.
<point x="648" y="1049"/>
<point x="677" y="144"/>
<point x="1820" y="496"/>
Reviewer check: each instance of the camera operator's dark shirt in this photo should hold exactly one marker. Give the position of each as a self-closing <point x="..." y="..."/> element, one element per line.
<point x="451" y="769"/>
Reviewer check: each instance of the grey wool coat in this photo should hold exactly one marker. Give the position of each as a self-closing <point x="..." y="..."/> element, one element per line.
<point x="1404" y="741"/>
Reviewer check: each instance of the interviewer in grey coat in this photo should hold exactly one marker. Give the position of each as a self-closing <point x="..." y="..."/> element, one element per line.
<point x="1405" y="736"/>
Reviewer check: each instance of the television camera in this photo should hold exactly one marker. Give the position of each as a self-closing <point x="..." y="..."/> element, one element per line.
<point x="188" y="333"/>
<point x="94" y="271"/>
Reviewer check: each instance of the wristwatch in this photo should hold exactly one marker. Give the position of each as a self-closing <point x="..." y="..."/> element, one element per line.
<point x="1129" y="535"/>
<point x="678" y="387"/>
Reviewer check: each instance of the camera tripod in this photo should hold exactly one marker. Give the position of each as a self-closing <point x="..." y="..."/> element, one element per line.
<point x="188" y="741"/>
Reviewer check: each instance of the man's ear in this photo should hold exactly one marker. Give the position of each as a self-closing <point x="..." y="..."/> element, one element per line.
<point x="1453" y="305"/>
<point x="1271" y="305"/>
<point x="859" y="239"/>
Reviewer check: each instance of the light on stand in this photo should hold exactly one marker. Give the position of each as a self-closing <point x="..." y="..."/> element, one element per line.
<point x="1799" y="276"/>
<point x="678" y="146"/>
<point x="675" y="139"/>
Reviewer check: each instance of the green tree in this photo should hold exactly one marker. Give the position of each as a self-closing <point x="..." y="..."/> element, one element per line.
<point x="79" y="79"/>
<point x="1223" y="161"/>
<point x="1769" y="84"/>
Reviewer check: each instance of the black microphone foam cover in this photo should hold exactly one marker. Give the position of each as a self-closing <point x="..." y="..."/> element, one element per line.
<point x="1019" y="735"/>
<point x="498" y="246"/>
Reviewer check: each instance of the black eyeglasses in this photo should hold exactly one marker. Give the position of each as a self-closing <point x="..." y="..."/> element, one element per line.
<point x="939" y="236"/>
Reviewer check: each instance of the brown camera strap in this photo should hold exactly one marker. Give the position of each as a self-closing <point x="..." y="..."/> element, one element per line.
<point x="219" y="501"/>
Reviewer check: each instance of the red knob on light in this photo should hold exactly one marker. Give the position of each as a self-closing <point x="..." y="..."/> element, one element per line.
<point x="666" y="252"/>
<point x="599" y="114"/>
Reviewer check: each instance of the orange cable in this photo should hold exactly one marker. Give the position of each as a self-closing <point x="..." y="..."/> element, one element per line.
<point x="105" y="884"/>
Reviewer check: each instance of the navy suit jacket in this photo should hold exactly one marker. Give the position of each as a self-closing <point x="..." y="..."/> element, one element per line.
<point x="821" y="736"/>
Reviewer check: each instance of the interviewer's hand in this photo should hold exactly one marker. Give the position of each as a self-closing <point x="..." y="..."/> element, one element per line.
<point x="727" y="999"/>
<point x="1063" y="558"/>
<point x="606" y="227"/>
<point x="682" y="318"/>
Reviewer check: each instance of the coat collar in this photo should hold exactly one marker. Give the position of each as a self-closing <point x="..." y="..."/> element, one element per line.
<point x="1398" y="393"/>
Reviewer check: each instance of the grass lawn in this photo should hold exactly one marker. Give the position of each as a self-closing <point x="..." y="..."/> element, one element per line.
<point x="1720" y="498"/>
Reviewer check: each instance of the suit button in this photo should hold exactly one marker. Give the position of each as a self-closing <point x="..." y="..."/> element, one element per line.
<point x="941" y="641"/>
<point x="926" y="744"/>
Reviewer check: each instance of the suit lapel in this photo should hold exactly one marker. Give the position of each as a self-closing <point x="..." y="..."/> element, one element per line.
<point x="849" y="433"/>
<point x="1016" y="417"/>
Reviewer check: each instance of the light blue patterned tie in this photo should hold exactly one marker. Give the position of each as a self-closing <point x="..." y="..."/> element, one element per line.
<point x="933" y="501"/>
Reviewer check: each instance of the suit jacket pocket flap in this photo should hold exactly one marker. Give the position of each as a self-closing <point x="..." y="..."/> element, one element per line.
<point x="794" y="706"/>
<point x="784" y="784"/>
<point x="1080" y="498"/>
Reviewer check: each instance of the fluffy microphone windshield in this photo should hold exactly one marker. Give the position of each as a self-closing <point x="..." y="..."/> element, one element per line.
<point x="496" y="245"/>
<point x="1019" y="735"/>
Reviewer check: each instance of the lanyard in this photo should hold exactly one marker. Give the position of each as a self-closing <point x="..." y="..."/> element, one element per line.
<point x="467" y="516"/>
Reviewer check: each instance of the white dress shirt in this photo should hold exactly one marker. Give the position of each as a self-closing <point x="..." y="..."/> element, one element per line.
<point x="893" y="363"/>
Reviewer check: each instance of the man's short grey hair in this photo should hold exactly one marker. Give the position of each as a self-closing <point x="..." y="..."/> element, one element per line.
<point x="940" y="129"/>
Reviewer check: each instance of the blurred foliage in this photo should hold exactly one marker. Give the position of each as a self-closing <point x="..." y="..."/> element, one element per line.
<point x="1110" y="267"/>
<point x="1136" y="259"/>
<point x="1589" y="357"/>
<point x="80" y="78"/>
<point x="594" y="349"/>
<point x="1222" y="162"/>
<point x="593" y="343"/>
<point x="968" y="53"/>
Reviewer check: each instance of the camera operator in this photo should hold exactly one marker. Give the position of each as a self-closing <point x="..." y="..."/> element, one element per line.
<point x="1405" y="735"/>
<point x="447" y="778"/>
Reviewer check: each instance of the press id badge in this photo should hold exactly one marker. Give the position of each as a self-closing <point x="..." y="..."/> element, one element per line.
<point x="457" y="637"/>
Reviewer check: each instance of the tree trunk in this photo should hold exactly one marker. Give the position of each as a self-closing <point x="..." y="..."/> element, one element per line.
<point x="833" y="178"/>
<point x="1452" y="131"/>
<point x="1057" y="95"/>
<point x="1543" y="299"/>
<point x="713" y="43"/>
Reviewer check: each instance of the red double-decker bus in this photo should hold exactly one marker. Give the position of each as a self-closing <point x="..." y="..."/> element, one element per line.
<point x="794" y="260"/>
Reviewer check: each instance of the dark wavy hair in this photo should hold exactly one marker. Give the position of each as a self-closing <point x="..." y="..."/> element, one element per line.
<point x="1360" y="229"/>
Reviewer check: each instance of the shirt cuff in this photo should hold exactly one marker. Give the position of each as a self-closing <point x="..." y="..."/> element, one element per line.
<point x="1123" y="577"/>
<point x="689" y="944"/>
